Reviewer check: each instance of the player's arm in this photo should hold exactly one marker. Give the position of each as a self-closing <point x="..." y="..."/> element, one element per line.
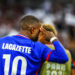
<point x="58" y="55"/>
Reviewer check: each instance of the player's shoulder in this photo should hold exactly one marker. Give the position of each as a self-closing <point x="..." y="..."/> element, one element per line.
<point x="68" y="52"/>
<point x="6" y="38"/>
<point x="41" y="45"/>
<point x="51" y="46"/>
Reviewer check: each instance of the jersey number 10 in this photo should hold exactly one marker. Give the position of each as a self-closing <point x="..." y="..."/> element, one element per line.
<point x="14" y="65"/>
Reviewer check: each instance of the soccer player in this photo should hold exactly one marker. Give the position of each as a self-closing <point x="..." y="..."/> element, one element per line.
<point x="19" y="55"/>
<point x="52" y="68"/>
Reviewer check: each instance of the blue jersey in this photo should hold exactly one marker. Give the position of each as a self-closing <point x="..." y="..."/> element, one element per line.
<point x="21" y="56"/>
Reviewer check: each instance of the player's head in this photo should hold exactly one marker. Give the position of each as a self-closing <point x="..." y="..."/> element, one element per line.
<point x="50" y="28"/>
<point x="30" y="25"/>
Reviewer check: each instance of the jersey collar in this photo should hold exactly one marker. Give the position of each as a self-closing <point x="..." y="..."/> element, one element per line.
<point x="22" y="36"/>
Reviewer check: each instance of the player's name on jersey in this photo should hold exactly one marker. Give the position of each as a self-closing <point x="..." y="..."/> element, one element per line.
<point x="7" y="46"/>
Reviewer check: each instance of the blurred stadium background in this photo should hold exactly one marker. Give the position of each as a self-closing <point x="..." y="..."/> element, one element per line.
<point x="60" y="13"/>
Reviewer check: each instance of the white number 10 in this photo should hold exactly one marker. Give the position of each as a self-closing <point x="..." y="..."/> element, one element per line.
<point x="14" y="65"/>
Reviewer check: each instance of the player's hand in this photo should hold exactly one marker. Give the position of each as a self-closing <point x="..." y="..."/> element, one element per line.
<point x="41" y="37"/>
<point x="46" y="34"/>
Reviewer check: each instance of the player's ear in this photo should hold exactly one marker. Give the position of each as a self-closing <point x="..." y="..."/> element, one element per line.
<point x="32" y="33"/>
<point x="32" y="30"/>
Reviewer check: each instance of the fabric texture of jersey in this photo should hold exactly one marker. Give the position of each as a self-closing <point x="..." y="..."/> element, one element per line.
<point x="21" y="56"/>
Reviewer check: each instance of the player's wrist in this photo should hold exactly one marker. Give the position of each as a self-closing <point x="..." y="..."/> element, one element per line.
<point x="53" y="39"/>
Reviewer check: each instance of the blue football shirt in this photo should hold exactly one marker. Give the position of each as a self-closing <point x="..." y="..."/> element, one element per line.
<point x="21" y="56"/>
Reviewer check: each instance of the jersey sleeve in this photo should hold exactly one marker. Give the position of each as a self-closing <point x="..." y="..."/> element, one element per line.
<point x="46" y="52"/>
<point x="59" y="54"/>
<point x="43" y="50"/>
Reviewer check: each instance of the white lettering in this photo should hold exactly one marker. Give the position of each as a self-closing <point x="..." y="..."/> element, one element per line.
<point x="6" y="46"/>
<point x="16" y="48"/>
<point x="3" y="46"/>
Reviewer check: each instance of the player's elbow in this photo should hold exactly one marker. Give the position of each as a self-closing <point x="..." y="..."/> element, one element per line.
<point x="65" y="59"/>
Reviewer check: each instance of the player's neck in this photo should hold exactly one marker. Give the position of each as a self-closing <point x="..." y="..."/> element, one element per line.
<point x="26" y="33"/>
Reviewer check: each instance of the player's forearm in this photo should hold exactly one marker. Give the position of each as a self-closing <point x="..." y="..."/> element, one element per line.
<point x="59" y="54"/>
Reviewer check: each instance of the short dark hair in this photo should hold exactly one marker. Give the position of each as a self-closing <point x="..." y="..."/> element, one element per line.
<point x="29" y="21"/>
